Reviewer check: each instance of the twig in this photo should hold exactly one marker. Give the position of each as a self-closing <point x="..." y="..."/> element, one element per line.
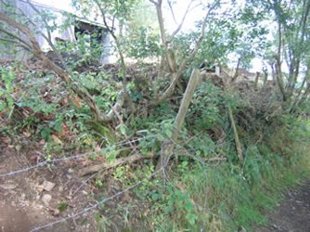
<point x="48" y="38"/>
<point x="183" y="18"/>
<point x="118" y="162"/>
<point x="15" y="42"/>
<point x="21" y="41"/>
<point x="84" y="182"/>
<point x="171" y="9"/>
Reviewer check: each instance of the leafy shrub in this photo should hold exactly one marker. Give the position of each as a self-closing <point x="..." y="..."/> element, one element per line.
<point x="205" y="108"/>
<point x="143" y="44"/>
<point x="7" y="77"/>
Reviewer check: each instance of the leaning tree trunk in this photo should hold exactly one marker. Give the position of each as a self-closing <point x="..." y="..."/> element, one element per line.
<point x="168" y="145"/>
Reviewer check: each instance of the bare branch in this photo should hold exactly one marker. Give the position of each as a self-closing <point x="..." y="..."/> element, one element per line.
<point x="160" y="19"/>
<point x="172" y="12"/>
<point x="21" y="28"/>
<point x="237" y="71"/>
<point x="183" y="19"/>
<point x="118" y="162"/>
<point x="60" y="160"/>
<point x="186" y="100"/>
<point x="17" y="44"/>
<point x="18" y="38"/>
<point x="154" y="2"/>
<point x="176" y="76"/>
<point x="236" y="135"/>
<point x="22" y="13"/>
<point x="121" y="56"/>
<point x="48" y="38"/>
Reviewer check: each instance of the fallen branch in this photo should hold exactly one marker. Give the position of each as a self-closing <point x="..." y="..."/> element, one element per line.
<point x="118" y="162"/>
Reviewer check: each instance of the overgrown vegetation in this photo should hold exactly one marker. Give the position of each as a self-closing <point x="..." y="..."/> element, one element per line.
<point x="197" y="150"/>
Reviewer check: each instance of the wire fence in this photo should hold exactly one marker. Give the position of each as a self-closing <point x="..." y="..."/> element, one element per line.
<point x="58" y="160"/>
<point x="93" y="207"/>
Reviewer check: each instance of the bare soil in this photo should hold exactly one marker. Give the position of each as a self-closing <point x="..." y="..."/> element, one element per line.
<point x="26" y="206"/>
<point x="293" y="214"/>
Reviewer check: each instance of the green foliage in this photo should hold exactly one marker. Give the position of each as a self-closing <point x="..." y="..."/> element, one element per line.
<point x="255" y="41"/>
<point x="143" y="16"/>
<point x="32" y="98"/>
<point x="228" y="197"/>
<point x="143" y="44"/>
<point x="205" y="107"/>
<point x="178" y="201"/>
<point x="7" y="77"/>
<point x="62" y="206"/>
<point x="203" y="146"/>
<point x="201" y="194"/>
<point x="152" y="138"/>
<point x="120" y="9"/>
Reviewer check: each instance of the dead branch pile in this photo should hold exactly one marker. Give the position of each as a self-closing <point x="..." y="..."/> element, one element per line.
<point x="261" y="104"/>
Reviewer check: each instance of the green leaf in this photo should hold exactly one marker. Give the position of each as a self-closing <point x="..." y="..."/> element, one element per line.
<point x="123" y="129"/>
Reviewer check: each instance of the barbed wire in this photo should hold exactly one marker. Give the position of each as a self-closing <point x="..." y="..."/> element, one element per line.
<point x="95" y="206"/>
<point x="42" y="164"/>
<point x="57" y="160"/>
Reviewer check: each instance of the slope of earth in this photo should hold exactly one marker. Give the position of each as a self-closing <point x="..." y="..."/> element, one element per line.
<point x="34" y="198"/>
<point x="293" y="214"/>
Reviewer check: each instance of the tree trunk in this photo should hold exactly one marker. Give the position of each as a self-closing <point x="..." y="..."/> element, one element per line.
<point x="168" y="146"/>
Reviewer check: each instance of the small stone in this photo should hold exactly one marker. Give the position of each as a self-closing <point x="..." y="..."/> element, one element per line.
<point x="46" y="198"/>
<point x="61" y="189"/>
<point x="40" y="188"/>
<point x="55" y="212"/>
<point x="84" y="192"/>
<point x="48" y="186"/>
<point x="70" y="170"/>
<point x="23" y="197"/>
<point x="8" y="186"/>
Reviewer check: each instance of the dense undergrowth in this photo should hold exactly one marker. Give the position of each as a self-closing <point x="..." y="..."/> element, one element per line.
<point x="226" y="196"/>
<point x="229" y="197"/>
<point x="229" y="147"/>
<point x="208" y="188"/>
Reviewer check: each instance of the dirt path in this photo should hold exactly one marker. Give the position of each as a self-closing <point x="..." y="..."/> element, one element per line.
<point x="293" y="214"/>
